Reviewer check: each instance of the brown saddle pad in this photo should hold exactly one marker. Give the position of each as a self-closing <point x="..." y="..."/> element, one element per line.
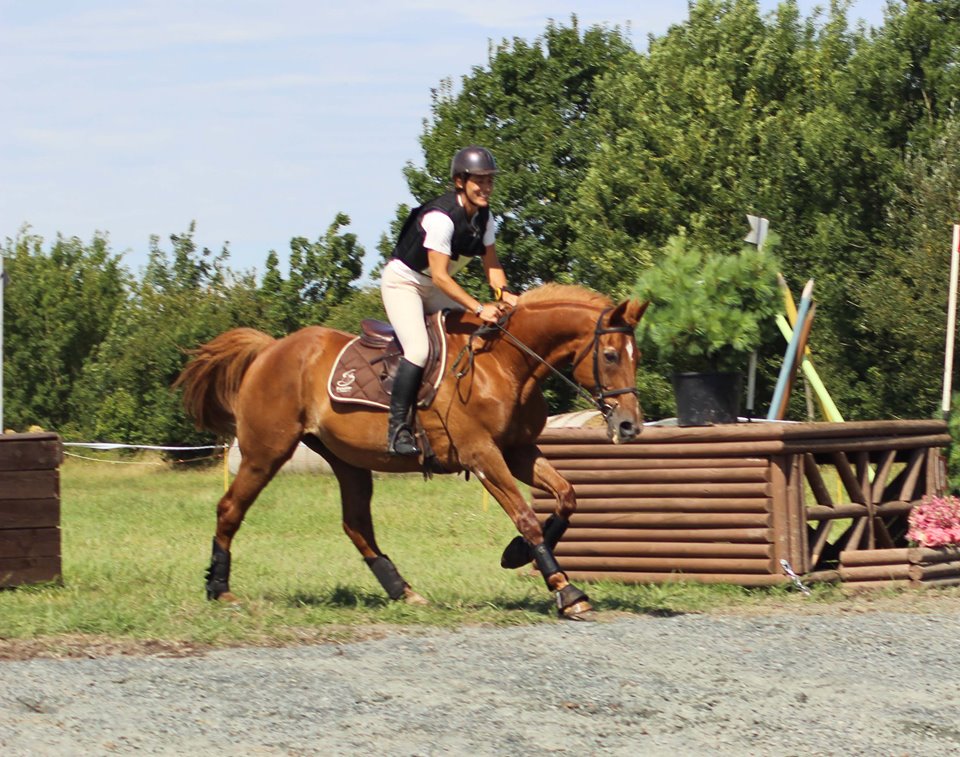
<point x="364" y="370"/>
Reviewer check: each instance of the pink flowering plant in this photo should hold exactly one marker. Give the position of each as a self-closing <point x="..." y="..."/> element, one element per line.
<point x="935" y="522"/>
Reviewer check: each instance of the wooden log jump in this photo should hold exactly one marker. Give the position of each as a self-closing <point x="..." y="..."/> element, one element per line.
<point x="29" y="508"/>
<point x="728" y="503"/>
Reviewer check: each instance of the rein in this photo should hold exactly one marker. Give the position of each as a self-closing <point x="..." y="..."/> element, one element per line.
<point x="597" y="397"/>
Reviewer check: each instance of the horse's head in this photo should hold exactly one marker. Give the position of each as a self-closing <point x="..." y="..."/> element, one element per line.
<point x="607" y="366"/>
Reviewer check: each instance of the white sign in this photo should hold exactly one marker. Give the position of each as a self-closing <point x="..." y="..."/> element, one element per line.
<point x="758" y="230"/>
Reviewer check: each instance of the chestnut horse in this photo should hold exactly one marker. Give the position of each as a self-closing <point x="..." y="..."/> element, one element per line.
<point x="485" y="419"/>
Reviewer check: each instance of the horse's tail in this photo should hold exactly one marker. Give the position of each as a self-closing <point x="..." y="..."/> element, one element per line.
<point x="211" y="379"/>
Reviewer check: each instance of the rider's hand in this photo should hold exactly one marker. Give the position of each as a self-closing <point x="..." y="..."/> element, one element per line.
<point x="509" y="298"/>
<point x="490" y="313"/>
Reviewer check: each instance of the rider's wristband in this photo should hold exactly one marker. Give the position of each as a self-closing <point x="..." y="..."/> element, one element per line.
<point x="479" y="309"/>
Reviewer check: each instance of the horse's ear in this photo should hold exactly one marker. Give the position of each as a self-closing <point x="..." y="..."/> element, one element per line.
<point x="629" y="312"/>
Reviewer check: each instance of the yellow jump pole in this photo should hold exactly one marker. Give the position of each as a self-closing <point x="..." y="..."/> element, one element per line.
<point x="827" y="406"/>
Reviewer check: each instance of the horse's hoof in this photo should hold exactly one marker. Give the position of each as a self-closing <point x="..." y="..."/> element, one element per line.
<point x="411" y="597"/>
<point x="517" y="554"/>
<point x="579" y="611"/>
<point x="573" y="604"/>
<point x="228" y="598"/>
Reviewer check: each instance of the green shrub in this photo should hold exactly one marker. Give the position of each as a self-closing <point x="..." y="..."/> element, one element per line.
<point x="707" y="308"/>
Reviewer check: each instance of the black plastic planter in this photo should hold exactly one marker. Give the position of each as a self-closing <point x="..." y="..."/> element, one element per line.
<point x="705" y="399"/>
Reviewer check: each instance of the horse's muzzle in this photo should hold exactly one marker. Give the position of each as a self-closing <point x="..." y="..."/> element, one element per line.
<point x="623" y="426"/>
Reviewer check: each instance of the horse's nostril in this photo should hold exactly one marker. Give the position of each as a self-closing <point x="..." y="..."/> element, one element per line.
<point x="628" y="429"/>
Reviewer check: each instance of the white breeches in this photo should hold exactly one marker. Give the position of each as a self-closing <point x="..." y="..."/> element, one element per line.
<point x="407" y="299"/>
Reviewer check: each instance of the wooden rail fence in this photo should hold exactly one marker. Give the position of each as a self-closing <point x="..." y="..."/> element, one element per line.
<point x="725" y="504"/>
<point x="29" y="508"/>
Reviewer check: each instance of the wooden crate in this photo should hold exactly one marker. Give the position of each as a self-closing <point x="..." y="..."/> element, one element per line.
<point x="29" y="508"/>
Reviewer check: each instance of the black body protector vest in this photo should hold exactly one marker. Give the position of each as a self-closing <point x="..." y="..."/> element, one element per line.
<point x="467" y="238"/>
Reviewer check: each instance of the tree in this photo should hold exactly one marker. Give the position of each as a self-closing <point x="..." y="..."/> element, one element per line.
<point x="904" y="299"/>
<point x="325" y="270"/>
<point x="359" y="305"/>
<point x="803" y="122"/>
<point x="124" y="392"/>
<point x="58" y="308"/>
<point x="727" y="114"/>
<point x="321" y="277"/>
<point x="279" y="307"/>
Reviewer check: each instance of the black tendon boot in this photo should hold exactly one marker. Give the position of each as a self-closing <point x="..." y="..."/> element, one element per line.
<point x="406" y="386"/>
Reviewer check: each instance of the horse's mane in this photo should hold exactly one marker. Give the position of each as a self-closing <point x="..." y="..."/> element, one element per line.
<point x="568" y="293"/>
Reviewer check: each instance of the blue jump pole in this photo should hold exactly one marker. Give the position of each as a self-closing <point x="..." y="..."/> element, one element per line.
<point x="790" y="359"/>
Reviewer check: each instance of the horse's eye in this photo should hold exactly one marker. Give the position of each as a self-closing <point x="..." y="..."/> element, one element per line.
<point x="611" y="356"/>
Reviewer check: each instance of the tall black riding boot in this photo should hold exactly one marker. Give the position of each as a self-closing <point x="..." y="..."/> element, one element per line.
<point x="406" y="386"/>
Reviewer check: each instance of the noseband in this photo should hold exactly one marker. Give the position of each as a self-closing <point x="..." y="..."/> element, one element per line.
<point x="598" y="395"/>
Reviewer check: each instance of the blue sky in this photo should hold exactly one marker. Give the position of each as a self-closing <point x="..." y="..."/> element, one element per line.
<point x="259" y="120"/>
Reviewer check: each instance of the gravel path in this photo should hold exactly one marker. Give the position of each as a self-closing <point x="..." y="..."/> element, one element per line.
<point x="877" y="683"/>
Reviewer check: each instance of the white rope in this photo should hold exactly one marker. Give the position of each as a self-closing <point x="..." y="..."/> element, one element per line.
<point x="112" y="445"/>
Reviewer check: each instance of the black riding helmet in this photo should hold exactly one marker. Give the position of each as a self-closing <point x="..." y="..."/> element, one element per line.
<point x="474" y="160"/>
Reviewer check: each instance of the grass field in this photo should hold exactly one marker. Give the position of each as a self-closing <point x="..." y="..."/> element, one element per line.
<point x="136" y="543"/>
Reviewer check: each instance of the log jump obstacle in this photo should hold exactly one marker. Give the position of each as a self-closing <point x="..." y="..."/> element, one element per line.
<point x="29" y="508"/>
<point x="725" y="504"/>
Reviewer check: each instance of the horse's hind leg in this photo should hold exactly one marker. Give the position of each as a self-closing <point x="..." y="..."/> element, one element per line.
<point x="356" y="491"/>
<point x="257" y="467"/>
<point x="528" y="465"/>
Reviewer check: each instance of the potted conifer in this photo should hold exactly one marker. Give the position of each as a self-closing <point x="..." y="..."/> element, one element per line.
<point x="707" y="310"/>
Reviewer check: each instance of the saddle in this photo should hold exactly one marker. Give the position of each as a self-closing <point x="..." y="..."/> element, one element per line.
<point x="365" y="368"/>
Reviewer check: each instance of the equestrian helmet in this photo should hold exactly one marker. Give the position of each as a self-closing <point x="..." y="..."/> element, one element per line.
<point x="474" y="160"/>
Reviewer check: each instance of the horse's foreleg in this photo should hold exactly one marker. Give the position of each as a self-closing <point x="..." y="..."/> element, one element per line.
<point x="356" y="491"/>
<point x="497" y="479"/>
<point x="530" y="466"/>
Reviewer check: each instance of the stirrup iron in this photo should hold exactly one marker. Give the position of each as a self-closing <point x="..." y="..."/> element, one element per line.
<point x="403" y="443"/>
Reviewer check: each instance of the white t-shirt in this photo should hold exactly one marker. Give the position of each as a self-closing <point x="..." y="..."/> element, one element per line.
<point x="438" y="228"/>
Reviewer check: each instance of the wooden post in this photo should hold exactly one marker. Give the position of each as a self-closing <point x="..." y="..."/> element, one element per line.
<point x="780" y="510"/>
<point x="951" y="322"/>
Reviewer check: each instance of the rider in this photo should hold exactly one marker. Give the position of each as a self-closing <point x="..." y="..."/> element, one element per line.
<point x="437" y="240"/>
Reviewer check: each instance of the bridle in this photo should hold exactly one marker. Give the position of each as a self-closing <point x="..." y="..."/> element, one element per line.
<point x="598" y="395"/>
